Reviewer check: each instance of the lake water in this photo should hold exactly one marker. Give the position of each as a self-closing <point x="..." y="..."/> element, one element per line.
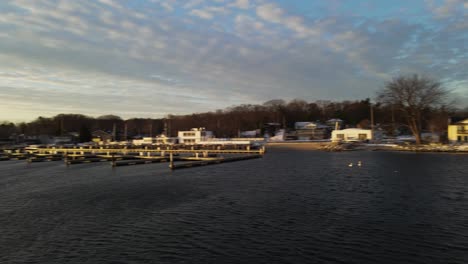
<point x="289" y="207"/>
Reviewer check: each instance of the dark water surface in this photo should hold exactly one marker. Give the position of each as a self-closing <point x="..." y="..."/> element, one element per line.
<point x="289" y="207"/>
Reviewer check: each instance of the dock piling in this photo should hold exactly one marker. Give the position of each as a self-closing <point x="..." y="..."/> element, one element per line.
<point x="171" y="161"/>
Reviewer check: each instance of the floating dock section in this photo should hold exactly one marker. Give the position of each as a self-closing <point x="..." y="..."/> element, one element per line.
<point x="206" y="162"/>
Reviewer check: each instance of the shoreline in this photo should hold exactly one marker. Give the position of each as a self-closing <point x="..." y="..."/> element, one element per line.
<point x="337" y="147"/>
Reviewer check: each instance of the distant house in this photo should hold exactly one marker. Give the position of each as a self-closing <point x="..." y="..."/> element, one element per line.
<point x="352" y="135"/>
<point x="458" y="132"/>
<point x="250" y="133"/>
<point x="311" y="131"/>
<point x="163" y="139"/>
<point x="143" y="141"/>
<point x="280" y="135"/>
<point x="55" y="140"/>
<point x="270" y="129"/>
<point x="101" y="136"/>
<point x="334" y="123"/>
<point x="194" y="136"/>
<point x="62" y="140"/>
<point x="430" y="137"/>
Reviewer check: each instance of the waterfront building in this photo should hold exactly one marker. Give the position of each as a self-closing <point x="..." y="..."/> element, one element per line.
<point x="335" y="123"/>
<point x="144" y="141"/>
<point x="352" y="135"/>
<point x="165" y="140"/>
<point x="458" y="132"/>
<point x="250" y="133"/>
<point x="194" y="136"/>
<point x="311" y="131"/>
<point x="280" y="135"/>
<point x="55" y="140"/>
<point x="159" y="140"/>
<point x="270" y="129"/>
<point x="100" y="136"/>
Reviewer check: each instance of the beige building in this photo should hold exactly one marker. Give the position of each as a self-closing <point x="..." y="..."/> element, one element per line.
<point x="458" y="132"/>
<point x="100" y="136"/>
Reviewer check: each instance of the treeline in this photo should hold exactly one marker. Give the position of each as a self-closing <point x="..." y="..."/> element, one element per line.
<point x="63" y="124"/>
<point x="228" y="122"/>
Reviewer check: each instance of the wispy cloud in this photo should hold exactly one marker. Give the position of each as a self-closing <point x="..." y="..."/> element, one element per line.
<point x="202" y="13"/>
<point x="274" y="14"/>
<point x="447" y="8"/>
<point x="242" y="4"/>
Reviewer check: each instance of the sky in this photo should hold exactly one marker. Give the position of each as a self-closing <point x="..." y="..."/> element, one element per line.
<point x="151" y="58"/>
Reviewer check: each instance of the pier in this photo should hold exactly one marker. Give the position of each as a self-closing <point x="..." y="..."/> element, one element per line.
<point x="178" y="157"/>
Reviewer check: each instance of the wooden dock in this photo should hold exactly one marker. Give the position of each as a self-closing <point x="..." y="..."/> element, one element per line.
<point x="177" y="158"/>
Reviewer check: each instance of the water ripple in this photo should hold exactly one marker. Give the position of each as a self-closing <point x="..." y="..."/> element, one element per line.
<point x="289" y="207"/>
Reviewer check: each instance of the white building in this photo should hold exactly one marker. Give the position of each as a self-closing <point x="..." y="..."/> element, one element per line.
<point x="143" y="141"/>
<point x="159" y="140"/>
<point x="352" y="134"/>
<point x="194" y="136"/>
<point x="164" y="140"/>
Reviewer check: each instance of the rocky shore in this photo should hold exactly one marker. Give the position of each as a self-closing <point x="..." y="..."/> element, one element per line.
<point x="332" y="146"/>
<point x="432" y="148"/>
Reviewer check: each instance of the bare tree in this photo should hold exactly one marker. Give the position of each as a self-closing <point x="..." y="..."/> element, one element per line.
<point x="412" y="96"/>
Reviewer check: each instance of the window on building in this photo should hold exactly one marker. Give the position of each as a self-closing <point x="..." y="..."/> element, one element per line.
<point x="340" y="136"/>
<point x="459" y="138"/>
<point x="362" y="136"/>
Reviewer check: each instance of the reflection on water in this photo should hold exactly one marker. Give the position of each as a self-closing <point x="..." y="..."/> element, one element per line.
<point x="289" y="207"/>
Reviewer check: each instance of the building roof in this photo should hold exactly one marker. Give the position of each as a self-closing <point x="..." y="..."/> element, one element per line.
<point x="304" y="124"/>
<point x="353" y="129"/>
<point x="308" y="125"/>
<point x="463" y="122"/>
<point x="100" y="133"/>
<point x="334" y="120"/>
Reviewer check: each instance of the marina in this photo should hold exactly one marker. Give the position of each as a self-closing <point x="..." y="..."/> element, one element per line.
<point x="189" y="156"/>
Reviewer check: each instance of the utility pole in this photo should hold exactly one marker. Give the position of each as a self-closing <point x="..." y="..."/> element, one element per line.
<point x="62" y="127"/>
<point x="372" y="117"/>
<point x="125" y="131"/>
<point x="114" y="132"/>
<point x="393" y="121"/>
<point x="167" y="126"/>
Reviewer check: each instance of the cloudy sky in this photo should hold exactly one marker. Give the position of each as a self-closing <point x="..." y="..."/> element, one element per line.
<point x="150" y="58"/>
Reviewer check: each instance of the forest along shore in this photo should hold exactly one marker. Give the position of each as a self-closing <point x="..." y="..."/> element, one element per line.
<point x="333" y="146"/>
